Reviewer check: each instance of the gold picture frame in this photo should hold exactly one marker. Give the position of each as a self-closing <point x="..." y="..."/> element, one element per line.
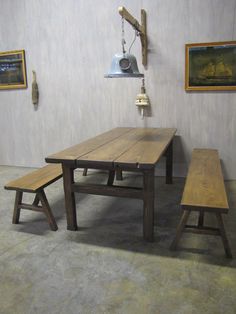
<point x="12" y="70"/>
<point x="210" y="66"/>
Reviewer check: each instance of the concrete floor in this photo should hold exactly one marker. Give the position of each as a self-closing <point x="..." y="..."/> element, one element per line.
<point x="106" y="267"/>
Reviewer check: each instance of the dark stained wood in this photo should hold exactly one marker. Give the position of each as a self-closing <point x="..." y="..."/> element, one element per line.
<point x="33" y="207"/>
<point x="204" y="191"/>
<point x="85" y="172"/>
<point x="201" y="218"/>
<point x="119" y="174"/>
<point x="148" y="205"/>
<point x="108" y="190"/>
<point x="169" y="163"/>
<point x="180" y="229"/>
<point x="68" y="181"/>
<point x="47" y="210"/>
<point x="35" y="182"/>
<point x="201" y="230"/>
<point x="74" y="152"/>
<point x="36" y="200"/>
<point x="16" y="212"/>
<point x="223" y="235"/>
<point x="111" y="177"/>
<point x="129" y="149"/>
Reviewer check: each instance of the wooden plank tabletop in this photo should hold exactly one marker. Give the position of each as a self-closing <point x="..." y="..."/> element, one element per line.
<point x="127" y="147"/>
<point x="205" y="184"/>
<point x="138" y="148"/>
<point x="74" y="152"/>
<point x="147" y="151"/>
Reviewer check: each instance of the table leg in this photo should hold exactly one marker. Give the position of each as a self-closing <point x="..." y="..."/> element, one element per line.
<point x="148" y="205"/>
<point x="68" y="180"/>
<point x="169" y="163"/>
<point x="119" y="176"/>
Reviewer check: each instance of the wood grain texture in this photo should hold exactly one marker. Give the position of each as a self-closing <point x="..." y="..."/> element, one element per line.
<point x="37" y="179"/>
<point x="146" y="152"/>
<point x="107" y="153"/>
<point x="74" y="152"/>
<point x="134" y="148"/>
<point x="205" y="184"/>
<point x="204" y="191"/>
<point x="68" y="181"/>
<point x="109" y="190"/>
<point x="137" y="148"/>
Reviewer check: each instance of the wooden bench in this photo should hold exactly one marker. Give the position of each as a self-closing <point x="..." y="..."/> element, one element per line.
<point x="204" y="191"/>
<point x="35" y="182"/>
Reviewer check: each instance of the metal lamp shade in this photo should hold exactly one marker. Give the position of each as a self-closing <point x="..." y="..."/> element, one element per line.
<point x="124" y="65"/>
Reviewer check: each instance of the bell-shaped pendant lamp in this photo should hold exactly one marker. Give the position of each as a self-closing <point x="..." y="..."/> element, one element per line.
<point x="124" y="65"/>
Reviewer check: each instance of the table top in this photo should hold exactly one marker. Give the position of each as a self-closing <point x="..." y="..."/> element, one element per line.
<point x="130" y="148"/>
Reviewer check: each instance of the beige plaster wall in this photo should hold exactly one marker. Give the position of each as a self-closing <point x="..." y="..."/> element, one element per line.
<point x="70" y="45"/>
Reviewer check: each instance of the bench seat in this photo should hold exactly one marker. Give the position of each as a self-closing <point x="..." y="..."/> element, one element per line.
<point x="35" y="182"/>
<point x="204" y="191"/>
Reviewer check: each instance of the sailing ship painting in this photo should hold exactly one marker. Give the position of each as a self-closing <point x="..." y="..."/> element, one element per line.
<point x="210" y="67"/>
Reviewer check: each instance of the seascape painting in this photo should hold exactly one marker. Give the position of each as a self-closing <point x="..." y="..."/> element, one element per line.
<point x="211" y="66"/>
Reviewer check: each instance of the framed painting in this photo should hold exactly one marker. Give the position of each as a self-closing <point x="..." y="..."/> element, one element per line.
<point x="210" y="66"/>
<point x="12" y="69"/>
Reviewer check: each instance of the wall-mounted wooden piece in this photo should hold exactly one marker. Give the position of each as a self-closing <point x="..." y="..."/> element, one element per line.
<point x="35" y="90"/>
<point x="142" y="29"/>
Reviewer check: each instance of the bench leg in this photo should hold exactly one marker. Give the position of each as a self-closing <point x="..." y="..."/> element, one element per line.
<point x="36" y="200"/>
<point x="223" y="235"/>
<point x="85" y="172"/>
<point x="180" y="229"/>
<point x="47" y="210"/>
<point x="16" y="213"/>
<point x="111" y="177"/>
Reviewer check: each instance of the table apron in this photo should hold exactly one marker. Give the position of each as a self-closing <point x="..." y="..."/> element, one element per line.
<point x="107" y="190"/>
<point x="112" y="166"/>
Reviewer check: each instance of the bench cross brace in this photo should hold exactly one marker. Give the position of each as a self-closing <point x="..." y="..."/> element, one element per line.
<point x="40" y="197"/>
<point x="201" y="229"/>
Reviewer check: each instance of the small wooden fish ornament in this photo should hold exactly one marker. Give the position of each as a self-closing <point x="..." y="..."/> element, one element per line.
<point x="35" y="90"/>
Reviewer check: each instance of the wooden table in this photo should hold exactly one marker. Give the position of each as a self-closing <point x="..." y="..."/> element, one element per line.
<point x="128" y="149"/>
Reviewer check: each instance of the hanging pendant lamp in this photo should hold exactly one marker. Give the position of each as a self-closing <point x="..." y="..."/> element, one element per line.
<point x="124" y="64"/>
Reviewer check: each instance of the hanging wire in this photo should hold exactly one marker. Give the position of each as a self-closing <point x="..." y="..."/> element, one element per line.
<point x="123" y="42"/>
<point x="136" y="34"/>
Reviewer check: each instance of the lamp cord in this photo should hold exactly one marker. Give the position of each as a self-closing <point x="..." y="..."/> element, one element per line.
<point x="123" y="42"/>
<point x="136" y="34"/>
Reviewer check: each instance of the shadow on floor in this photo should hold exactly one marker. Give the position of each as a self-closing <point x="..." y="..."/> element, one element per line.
<point x="117" y="223"/>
